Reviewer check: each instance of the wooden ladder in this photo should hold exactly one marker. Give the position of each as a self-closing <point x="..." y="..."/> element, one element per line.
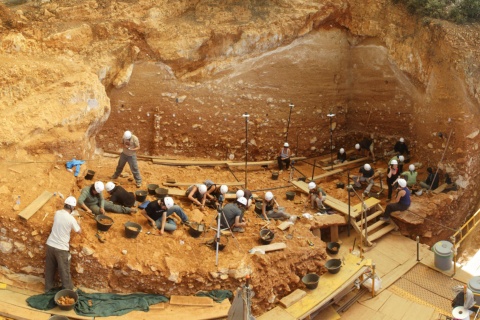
<point x="375" y="228"/>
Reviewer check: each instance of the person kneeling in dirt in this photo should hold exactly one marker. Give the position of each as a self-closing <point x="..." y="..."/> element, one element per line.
<point x="341" y="156"/>
<point x="214" y="193"/>
<point x="158" y="213"/>
<point x="91" y="200"/>
<point x="119" y="195"/>
<point x="268" y="212"/>
<point x="402" y="201"/>
<point x="247" y="194"/>
<point x="431" y="183"/>
<point x="410" y="176"/>
<point x="197" y="193"/>
<point x="232" y="216"/>
<point x="367" y="176"/>
<point x="315" y="196"/>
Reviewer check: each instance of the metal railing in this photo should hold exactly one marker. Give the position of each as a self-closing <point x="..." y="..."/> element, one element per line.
<point x="458" y="237"/>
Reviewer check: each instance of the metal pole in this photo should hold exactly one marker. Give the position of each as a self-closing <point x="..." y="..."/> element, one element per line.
<point x="418" y="248"/>
<point x="291" y="105"/>
<point x="313" y="169"/>
<point x="331" y="115"/>
<point x="246" y="115"/>
<point x="219" y="210"/>
<point x="348" y="189"/>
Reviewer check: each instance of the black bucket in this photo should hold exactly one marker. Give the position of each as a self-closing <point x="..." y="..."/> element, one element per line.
<point x="274" y="175"/>
<point x="333" y="247"/>
<point x="161" y="193"/>
<point x="140" y="195"/>
<point x="103" y="222"/>
<point x="196" y="229"/>
<point x="66" y="293"/>
<point x="132" y="229"/>
<point x="290" y="195"/>
<point x="340" y="185"/>
<point x="89" y="175"/>
<point x="151" y="188"/>
<point x="266" y="236"/>
<point x="258" y="207"/>
<point x="311" y="280"/>
<point x="333" y="265"/>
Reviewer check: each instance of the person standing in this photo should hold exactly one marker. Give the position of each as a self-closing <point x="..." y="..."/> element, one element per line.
<point x="158" y="214"/>
<point x="402" y="201"/>
<point x="316" y="196"/>
<point x="392" y="176"/>
<point x="284" y="157"/>
<point x="232" y="216"/>
<point x="118" y="195"/>
<point x="129" y="154"/>
<point x="58" y="246"/>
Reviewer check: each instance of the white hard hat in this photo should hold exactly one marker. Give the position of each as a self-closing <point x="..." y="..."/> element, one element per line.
<point x="411" y="167"/>
<point x="71" y="201"/>
<point x="394" y="162"/>
<point x="202" y="189"/>
<point x="357" y="146"/>
<point x="286" y="145"/>
<point x="367" y="167"/>
<point x="311" y="185"/>
<point x="99" y="186"/>
<point x="168" y="202"/>
<point x="268" y="196"/>
<point x="109" y="186"/>
<point x="402" y="183"/>
<point x="401" y="158"/>
<point x="127" y="135"/>
<point x="342" y="151"/>
<point x="242" y="200"/>
<point x="223" y="189"/>
<point x="402" y="140"/>
<point x="240" y="193"/>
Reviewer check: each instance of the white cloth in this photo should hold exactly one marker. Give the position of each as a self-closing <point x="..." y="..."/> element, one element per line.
<point x="63" y="223"/>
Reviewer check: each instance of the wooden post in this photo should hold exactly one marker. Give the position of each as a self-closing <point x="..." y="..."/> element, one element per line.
<point x="334" y="233"/>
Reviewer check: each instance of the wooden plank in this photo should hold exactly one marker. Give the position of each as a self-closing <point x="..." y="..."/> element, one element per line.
<point x="33" y="207"/>
<point x="261" y="163"/>
<point x="329" y="313"/>
<point x="276" y="313"/>
<point x="292" y="298"/>
<point x="328" y="157"/>
<point x="218" y="311"/>
<point x="340" y="206"/>
<point x="370" y="202"/>
<point x="326" y="174"/>
<point x="346" y="163"/>
<point x="191" y="301"/>
<point x="15" y="312"/>
<point x="187" y="184"/>
<point x="302" y="185"/>
<point x="440" y="188"/>
<point x="284" y="225"/>
<point x="188" y="162"/>
<point x="271" y="247"/>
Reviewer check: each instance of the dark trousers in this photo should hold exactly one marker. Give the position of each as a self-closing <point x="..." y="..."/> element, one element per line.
<point x="392" y="207"/>
<point x="281" y="161"/>
<point x="57" y="259"/>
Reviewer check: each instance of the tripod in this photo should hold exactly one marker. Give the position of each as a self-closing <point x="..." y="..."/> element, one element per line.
<point x="292" y="170"/>
<point x="217" y="240"/>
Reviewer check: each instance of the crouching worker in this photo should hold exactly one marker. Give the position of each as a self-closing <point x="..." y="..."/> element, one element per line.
<point x="232" y="216"/>
<point x="158" y="214"/>
<point x="197" y="194"/>
<point x="91" y="200"/>
<point x="119" y="195"/>
<point x="402" y="201"/>
<point x="247" y="194"/>
<point x="215" y="195"/>
<point x="315" y="196"/>
<point x="268" y="208"/>
<point x="58" y="246"/>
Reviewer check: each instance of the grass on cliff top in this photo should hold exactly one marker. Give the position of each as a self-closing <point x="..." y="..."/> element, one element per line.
<point x="458" y="11"/>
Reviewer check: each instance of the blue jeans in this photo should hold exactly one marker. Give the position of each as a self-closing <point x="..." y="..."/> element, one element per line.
<point x="170" y="224"/>
<point x="132" y="162"/>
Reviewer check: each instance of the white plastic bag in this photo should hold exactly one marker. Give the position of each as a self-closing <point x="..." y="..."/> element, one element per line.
<point x="368" y="283"/>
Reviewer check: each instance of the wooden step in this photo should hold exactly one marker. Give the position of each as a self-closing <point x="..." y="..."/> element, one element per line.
<point x="375" y="226"/>
<point x="369" y="218"/>
<point x="370" y="202"/>
<point x="381" y="232"/>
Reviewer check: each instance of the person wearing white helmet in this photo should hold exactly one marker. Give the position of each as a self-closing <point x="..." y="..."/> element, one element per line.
<point x="401" y="147"/>
<point x="341" y="156"/>
<point x="215" y="193"/>
<point x="247" y="194"/>
<point x="58" y="246"/>
<point x="232" y="216"/>
<point x="92" y="201"/>
<point x="410" y="176"/>
<point x="365" y="145"/>
<point x="402" y="200"/>
<point x="367" y="175"/>
<point x="271" y="209"/>
<point x="158" y="214"/>
<point x="392" y="176"/>
<point x="284" y="157"/>
<point x="120" y="196"/>
<point x="197" y="193"/>
<point x="129" y="155"/>
<point x="316" y="195"/>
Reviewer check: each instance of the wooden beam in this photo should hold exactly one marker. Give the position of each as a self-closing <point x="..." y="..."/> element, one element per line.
<point x="187" y="162"/>
<point x="261" y="163"/>
<point x="187" y="184"/>
<point x="271" y="247"/>
<point x="33" y="207"/>
<point x="191" y="301"/>
<point x="326" y="174"/>
<point x="14" y="312"/>
<point x="292" y="298"/>
<point x="440" y="188"/>
<point x="346" y="163"/>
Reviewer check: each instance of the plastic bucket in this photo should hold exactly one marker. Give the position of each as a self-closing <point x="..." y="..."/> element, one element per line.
<point x="151" y="188"/>
<point x="474" y="285"/>
<point x="274" y="175"/>
<point x="66" y="293"/>
<point x="311" y="280"/>
<point x="196" y="229"/>
<point x="333" y="265"/>
<point x="89" y="175"/>
<point x="333" y="247"/>
<point x="141" y="195"/>
<point x="161" y="193"/>
<point x="266" y="236"/>
<point x="258" y="207"/>
<point x="103" y="222"/>
<point x="443" y="255"/>
<point x="290" y="195"/>
<point x="132" y="229"/>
